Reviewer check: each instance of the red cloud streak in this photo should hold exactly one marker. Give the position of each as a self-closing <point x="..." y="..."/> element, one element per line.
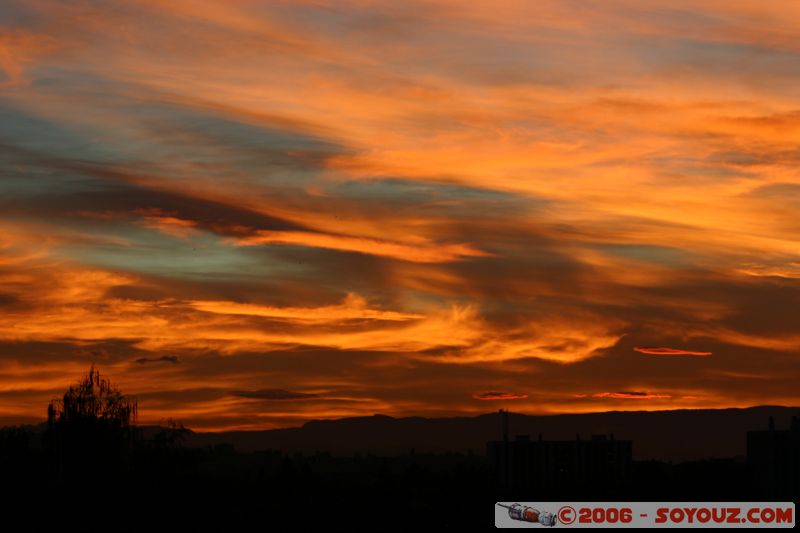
<point x="626" y="395"/>
<point x="669" y="351"/>
<point x="494" y="395"/>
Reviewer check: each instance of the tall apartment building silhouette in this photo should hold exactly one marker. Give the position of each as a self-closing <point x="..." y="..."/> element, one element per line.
<point x="773" y="460"/>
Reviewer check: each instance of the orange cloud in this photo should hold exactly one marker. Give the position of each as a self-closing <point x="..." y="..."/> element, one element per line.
<point x="420" y="252"/>
<point x="19" y="49"/>
<point x="556" y="339"/>
<point x="789" y="270"/>
<point x="352" y="308"/>
<point x="75" y="305"/>
<point x="669" y="351"/>
<point x="167" y="223"/>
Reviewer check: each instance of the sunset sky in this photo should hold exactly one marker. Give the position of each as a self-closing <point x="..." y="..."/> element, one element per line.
<point x="250" y="214"/>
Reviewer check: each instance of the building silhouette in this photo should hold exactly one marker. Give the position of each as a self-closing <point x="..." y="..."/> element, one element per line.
<point x="773" y="460"/>
<point x="535" y="468"/>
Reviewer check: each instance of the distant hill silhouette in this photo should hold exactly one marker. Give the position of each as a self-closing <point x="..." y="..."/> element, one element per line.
<point x="678" y="435"/>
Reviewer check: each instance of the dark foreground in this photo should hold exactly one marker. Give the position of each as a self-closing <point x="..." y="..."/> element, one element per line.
<point x="147" y="482"/>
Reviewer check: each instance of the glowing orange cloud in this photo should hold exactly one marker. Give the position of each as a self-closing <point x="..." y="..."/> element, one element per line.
<point x="669" y="351"/>
<point x="421" y="252"/>
<point x="167" y="223"/>
<point x="353" y="307"/>
<point x="559" y="339"/>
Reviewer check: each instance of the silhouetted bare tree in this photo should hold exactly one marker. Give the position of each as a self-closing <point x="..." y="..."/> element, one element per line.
<point x="92" y="426"/>
<point x="93" y="400"/>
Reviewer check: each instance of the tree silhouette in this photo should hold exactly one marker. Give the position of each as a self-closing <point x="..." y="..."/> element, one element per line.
<point x="91" y="428"/>
<point x="93" y="401"/>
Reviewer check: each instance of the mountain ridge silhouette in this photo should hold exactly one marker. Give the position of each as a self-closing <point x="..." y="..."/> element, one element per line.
<point x="668" y="435"/>
<point x="676" y="435"/>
